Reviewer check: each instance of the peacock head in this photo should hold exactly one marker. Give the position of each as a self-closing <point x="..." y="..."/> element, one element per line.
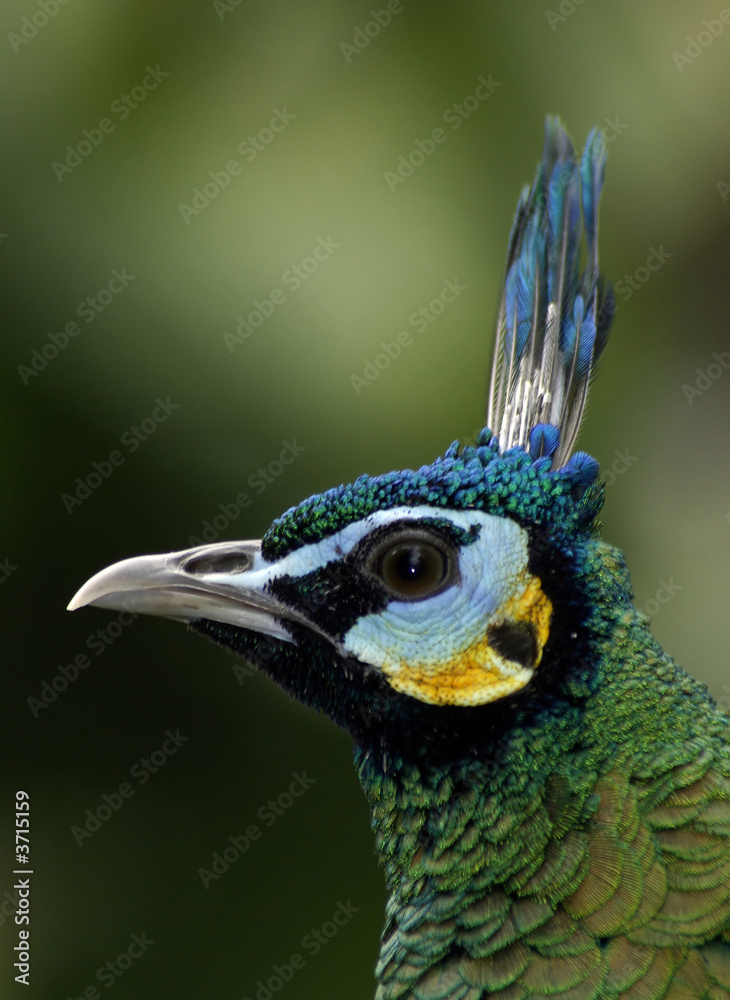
<point x="446" y="591"/>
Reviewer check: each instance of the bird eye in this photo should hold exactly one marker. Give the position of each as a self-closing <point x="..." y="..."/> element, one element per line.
<point x="413" y="567"/>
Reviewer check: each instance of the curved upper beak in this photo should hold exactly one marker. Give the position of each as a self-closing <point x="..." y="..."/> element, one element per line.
<point x="223" y="582"/>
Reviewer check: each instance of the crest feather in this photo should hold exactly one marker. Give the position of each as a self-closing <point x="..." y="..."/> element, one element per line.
<point x="555" y="311"/>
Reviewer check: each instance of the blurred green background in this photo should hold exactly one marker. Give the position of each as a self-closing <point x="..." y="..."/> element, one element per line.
<point x="346" y="115"/>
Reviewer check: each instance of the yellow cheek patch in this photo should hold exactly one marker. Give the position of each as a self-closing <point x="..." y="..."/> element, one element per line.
<point x="532" y="607"/>
<point x="476" y="677"/>
<point x="479" y="674"/>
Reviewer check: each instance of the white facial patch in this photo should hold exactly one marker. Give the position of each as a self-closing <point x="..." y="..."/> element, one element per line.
<point x="437" y="649"/>
<point x="440" y="627"/>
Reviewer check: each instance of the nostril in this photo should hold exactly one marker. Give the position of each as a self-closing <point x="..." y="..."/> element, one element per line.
<point x="223" y="562"/>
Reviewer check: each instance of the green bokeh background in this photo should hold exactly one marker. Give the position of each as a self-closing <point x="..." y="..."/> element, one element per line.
<point x="323" y="176"/>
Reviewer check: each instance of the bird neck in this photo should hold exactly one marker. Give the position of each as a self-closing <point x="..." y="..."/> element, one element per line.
<point x="450" y="837"/>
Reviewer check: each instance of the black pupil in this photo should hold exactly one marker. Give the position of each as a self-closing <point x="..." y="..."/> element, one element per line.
<point x="410" y="564"/>
<point x="413" y="568"/>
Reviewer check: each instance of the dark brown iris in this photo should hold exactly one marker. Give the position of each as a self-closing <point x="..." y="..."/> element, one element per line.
<point x="413" y="569"/>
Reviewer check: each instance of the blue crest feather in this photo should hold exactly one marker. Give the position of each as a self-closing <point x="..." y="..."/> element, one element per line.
<point x="555" y="312"/>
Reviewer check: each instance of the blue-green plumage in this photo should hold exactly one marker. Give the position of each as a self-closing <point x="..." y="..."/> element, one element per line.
<point x="550" y="793"/>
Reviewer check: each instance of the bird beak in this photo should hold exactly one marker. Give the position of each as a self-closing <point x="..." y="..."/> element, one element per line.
<point x="223" y="582"/>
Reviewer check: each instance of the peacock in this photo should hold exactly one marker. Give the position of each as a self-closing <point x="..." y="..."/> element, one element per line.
<point x="549" y="791"/>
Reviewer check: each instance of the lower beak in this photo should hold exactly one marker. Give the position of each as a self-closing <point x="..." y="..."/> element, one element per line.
<point x="222" y="582"/>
